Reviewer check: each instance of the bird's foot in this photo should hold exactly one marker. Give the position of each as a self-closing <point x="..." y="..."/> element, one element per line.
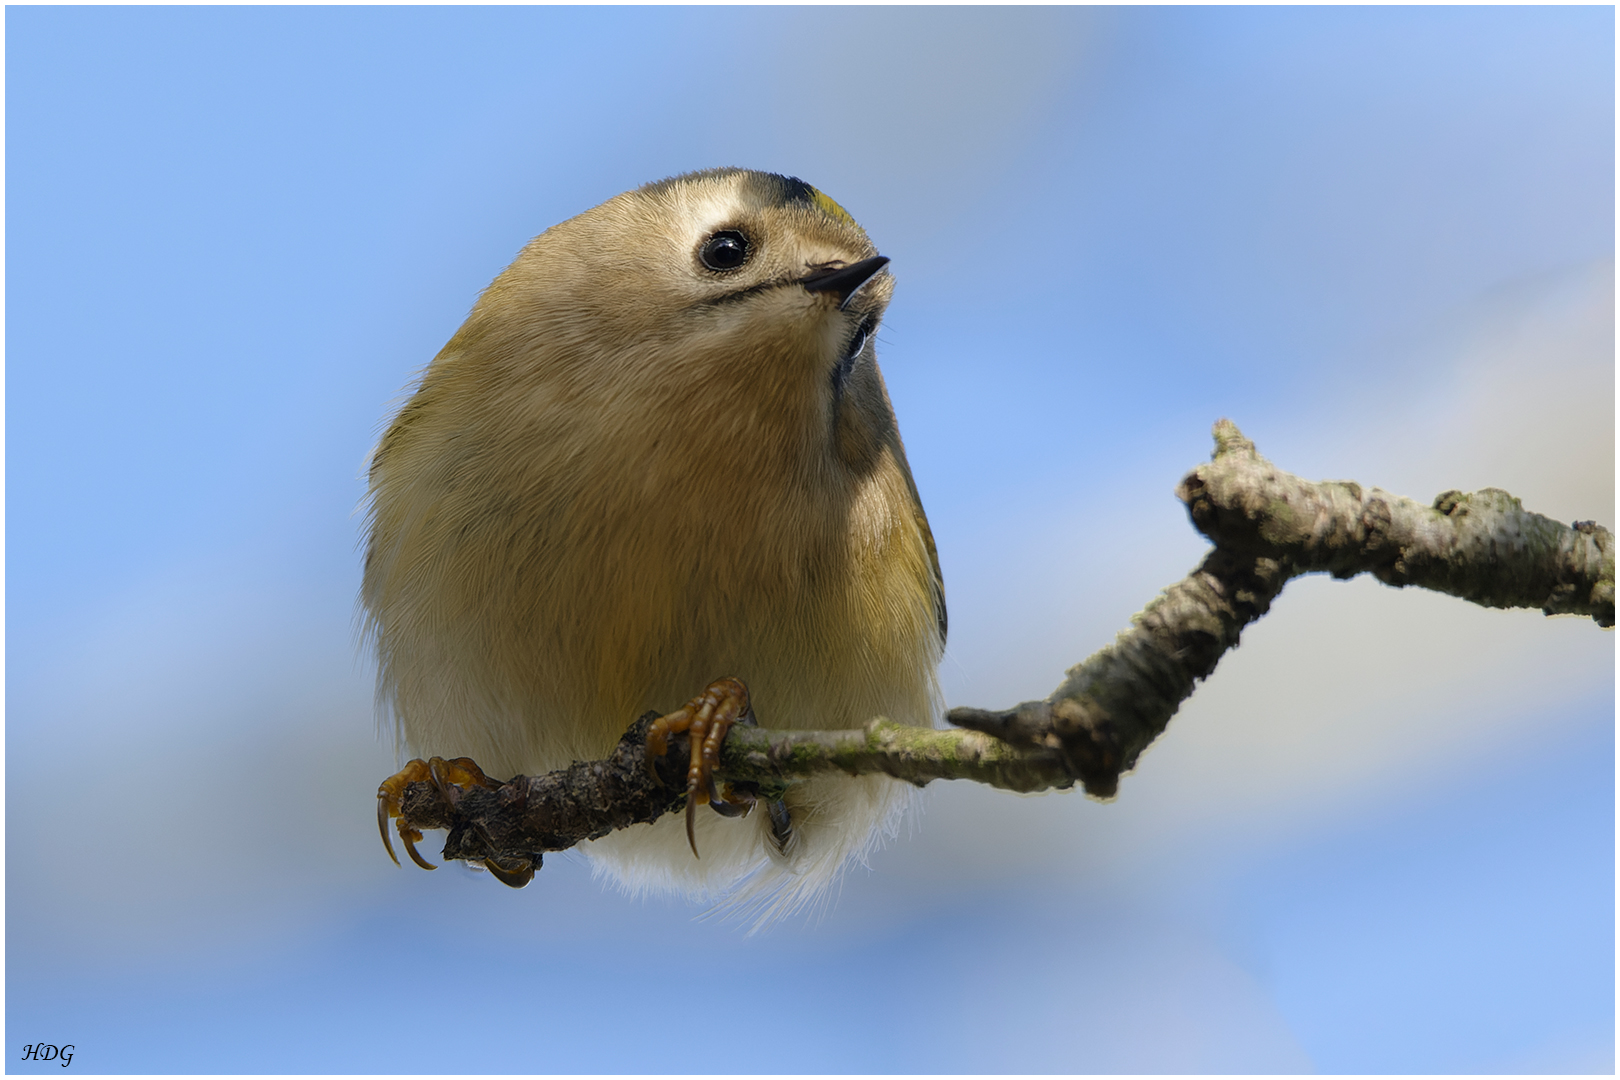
<point x="706" y="718"/>
<point x="448" y="778"/>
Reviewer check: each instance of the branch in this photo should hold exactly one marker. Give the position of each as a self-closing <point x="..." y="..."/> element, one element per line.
<point x="529" y="815"/>
<point x="1267" y="526"/>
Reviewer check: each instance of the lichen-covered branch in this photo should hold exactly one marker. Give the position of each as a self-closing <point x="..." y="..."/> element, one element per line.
<point x="1484" y="547"/>
<point x="916" y="755"/>
<point x="1267" y="526"/>
<point x="530" y="815"/>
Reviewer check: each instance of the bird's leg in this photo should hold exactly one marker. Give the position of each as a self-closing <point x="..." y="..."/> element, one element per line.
<point x="444" y="776"/>
<point x="706" y="719"/>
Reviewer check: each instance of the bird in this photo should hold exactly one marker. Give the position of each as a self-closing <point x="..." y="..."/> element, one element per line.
<point x="658" y="459"/>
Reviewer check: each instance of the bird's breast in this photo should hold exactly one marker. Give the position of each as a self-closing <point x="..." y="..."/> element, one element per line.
<point x="586" y="553"/>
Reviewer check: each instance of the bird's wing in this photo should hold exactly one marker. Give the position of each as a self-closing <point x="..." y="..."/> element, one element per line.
<point x="937" y="585"/>
<point x="933" y="562"/>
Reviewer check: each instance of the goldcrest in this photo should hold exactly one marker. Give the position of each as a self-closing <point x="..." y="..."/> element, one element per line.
<point x="660" y="452"/>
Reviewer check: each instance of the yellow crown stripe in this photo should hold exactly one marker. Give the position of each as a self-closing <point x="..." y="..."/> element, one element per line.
<point x="828" y="206"/>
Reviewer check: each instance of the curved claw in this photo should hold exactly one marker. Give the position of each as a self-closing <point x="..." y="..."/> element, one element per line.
<point x="447" y="777"/>
<point x="706" y="719"/>
<point x="410" y="837"/>
<point x="513" y="878"/>
<point x="382" y="825"/>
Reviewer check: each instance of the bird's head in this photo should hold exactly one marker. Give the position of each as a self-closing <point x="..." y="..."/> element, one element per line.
<point x="746" y="301"/>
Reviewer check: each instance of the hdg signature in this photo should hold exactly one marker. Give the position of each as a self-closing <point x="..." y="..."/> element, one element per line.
<point x="48" y="1052"/>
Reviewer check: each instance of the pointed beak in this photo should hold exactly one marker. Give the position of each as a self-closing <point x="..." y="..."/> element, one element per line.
<point x="844" y="281"/>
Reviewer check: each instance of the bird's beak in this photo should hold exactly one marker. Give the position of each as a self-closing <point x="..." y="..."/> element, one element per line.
<point x="844" y="281"/>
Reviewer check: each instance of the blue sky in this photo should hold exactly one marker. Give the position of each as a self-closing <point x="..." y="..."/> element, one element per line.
<point x="1380" y="838"/>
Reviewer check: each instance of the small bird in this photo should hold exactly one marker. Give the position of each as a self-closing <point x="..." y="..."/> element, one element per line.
<point x="658" y="457"/>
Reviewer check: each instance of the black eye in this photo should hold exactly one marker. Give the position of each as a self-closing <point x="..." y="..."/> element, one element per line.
<point x="852" y="353"/>
<point x="725" y="250"/>
<point x="858" y="342"/>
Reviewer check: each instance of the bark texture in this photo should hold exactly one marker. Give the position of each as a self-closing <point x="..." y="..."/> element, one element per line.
<point x="1267" y="527"/>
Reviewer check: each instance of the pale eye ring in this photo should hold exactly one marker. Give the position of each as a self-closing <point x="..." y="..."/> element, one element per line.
<point x="726" y="250"/>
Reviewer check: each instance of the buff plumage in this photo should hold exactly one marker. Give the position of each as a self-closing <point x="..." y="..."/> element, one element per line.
<point x="638" y="467"/>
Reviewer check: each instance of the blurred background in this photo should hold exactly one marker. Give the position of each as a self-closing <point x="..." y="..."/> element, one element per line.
<point x="1381" y="838"/>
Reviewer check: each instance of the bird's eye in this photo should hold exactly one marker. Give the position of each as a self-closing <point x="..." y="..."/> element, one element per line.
<point x="852" y="353"/>
<point x="859" y="340"/>
<point x="725" y="250"/>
